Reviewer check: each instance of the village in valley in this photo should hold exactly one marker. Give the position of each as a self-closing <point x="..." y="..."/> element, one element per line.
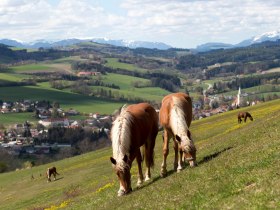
<point x="33" y="137"/>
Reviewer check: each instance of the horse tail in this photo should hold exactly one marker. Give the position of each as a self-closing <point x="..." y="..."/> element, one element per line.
<point x="149" y="151"/>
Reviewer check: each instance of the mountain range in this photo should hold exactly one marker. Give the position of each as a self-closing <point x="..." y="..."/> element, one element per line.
<point x="268" y="36"/>
<point x="67" y="42"/>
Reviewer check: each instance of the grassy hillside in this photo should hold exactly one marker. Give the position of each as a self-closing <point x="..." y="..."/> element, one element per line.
<point x="239" y="166"/>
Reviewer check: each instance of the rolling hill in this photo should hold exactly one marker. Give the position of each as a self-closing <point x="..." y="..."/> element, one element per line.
<point x="238" y="169"/>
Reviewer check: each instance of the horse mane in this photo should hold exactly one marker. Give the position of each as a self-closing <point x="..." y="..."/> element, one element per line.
<point x="120" y="136"/>
<point x="178" y="122"/>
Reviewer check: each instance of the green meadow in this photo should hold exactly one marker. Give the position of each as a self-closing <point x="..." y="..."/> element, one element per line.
<point x="66" y="99"/>
<point x="13" y="118"/>
<point x="238" y="168"/>
<point x="114" y="63"/>
<point x="12" y="77"/>
<point x="30" y="67"/>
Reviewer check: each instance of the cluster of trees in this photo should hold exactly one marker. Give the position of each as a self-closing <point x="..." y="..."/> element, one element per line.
<point x="247" y="82"/>
<point x="62" y="135"/>
<point x="240" y="60"/>
<point x="146" y="63"/>
<point x="241" y="68"/>
<point x="10" y="56"/>
<point x="25" y="82"/>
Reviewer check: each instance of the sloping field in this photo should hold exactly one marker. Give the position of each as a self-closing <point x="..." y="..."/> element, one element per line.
<point x="239" y="168"/>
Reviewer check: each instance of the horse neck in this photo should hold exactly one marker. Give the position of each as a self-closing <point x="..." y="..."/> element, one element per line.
<point x="121" y="135"/>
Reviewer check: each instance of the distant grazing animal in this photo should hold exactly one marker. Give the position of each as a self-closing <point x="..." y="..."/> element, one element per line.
<point x="51" y="171"/>
<point x="244" y="115"/>
<point x="175" y="116"/>
<point x="136" y="125"/>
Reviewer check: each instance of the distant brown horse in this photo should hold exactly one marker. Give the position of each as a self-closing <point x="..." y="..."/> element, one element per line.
<point x="51" y="171"/>
<point x="175" y="116"/>
<point x="136" y="125"/>
<point x="244" y="115"/>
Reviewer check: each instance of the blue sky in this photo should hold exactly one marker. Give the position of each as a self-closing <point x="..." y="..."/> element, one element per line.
<point x="180" y="23"/>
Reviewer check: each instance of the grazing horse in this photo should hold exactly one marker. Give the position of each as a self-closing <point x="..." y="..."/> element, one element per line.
<point x="175" y="117"/>
<point x="51" y="171"/>
<point x="136" y="125"/>
<point x="244" y="115"/>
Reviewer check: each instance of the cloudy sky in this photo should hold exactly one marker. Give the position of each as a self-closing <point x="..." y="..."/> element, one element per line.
<point x="180" y="23"/>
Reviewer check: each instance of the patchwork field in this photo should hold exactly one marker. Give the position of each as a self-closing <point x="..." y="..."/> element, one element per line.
<point x="238" y="168"/>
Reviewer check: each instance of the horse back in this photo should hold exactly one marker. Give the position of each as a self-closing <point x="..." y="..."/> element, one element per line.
<point x="145" y="119"/>
<point x="168" y="102"/>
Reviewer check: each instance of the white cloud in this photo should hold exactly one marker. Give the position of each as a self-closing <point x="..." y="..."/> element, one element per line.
<point x="182" y="23"/>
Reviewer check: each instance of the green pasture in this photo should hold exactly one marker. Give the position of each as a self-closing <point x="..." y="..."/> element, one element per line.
<point x="66" y="99"/>
<point x="12" y="77"/>
<point x="68" y="60"/>
<point x="28" y="50"/>
<point x="13" y="118"/>
<point x="238" y="168"/>
<point x="31" y="67"/>
<point x="114" y="63"/>
<point x="149" y="93"/>
<point x="126" y="87"/>
<point x="123" y="81"/>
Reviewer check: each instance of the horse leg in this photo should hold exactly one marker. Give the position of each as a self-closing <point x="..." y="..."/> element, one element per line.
<point x="181" y="161"/>
<point x="165" y="150"/>
<point x="176" y="155"/>
<point x="245" y="118"/>
<point x="140" y="173"/>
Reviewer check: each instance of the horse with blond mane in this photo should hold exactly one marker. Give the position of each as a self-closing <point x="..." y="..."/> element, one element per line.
<point x="175" y="117"/>
<point x="136" y="126"/>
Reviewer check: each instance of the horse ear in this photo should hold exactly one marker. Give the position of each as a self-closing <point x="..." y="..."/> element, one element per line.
<point x="178" y="138"/>
<point x="125" y="158"/>
<point x="113" y="161"/>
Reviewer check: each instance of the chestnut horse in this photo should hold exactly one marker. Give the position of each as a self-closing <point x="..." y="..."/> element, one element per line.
<point x="51" y="171"/>
<point x="136" y="125"/>
<point x="175" y="117"/>
<point x="244" y="115"/>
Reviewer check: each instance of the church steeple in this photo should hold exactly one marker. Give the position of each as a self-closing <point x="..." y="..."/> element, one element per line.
<point x="238" y="96"/>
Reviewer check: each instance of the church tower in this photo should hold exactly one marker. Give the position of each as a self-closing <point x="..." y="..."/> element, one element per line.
<point x="238" y="97"/>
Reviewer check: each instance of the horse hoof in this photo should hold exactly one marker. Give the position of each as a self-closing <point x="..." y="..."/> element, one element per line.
<point x="147" y="178"/>
<point x="121" y="192"/>
<point x="179" y="170"/>
<point x="139" y="183"/>
<point x="163" y="174"/>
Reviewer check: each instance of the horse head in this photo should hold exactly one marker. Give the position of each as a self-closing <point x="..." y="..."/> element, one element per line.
<point x="122" y="169"/>
<point x="187" y="146"/>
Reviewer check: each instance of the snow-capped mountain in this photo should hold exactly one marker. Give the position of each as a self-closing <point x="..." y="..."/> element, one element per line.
<point x="67" y="42"/>
<point x="268" y="36"/>
<point x="133" y="44"/>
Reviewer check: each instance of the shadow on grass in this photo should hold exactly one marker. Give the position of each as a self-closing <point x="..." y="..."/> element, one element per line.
<point x="58" y="179"/>
<point x="204" y="160"/>
<point x="155" y="179"/>
<point x="212" y="156"/>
